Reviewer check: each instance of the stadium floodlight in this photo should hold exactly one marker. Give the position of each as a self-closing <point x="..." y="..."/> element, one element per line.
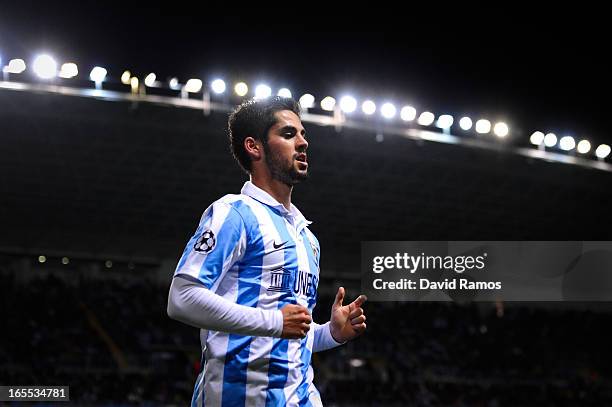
<point x="45" y="67"/>
<point x="550" y="140"/>
<point x="408" y="113"/>
<point x="193" y="85"/>
<point x="501" y="129"/>
<point x="348" y="104"/>
<point x="567" y="143"/>
<point x="465" y="123"/>
<point x="218" y="86"/>
<point x="355" y="362"/>
<point x="134" y="84"/>
<point x="536" y="138"/>
<point x="426" y="119"/>
<point x="602" y="151"/>
<point x="445" y="121"/>
<point x="241" y="89"/>
<point x="174" y="84"/>
<point x="328" y="103"/>
<point x="262" y="91"/>
<point x="388" y="110"/>
<point x="68" y="70"/>
<point x="483" y="126"/>
<point x="150" y="80"/>
<point x="284" y="92"/>
<point x="97" y="74"/>
<point x="307" y="101"/>
<point x="126" y="76"/>
<point x="65" y="260"/>
<point x="15" y="66"/>
<point x="108" y="264"/>
<point x="368" y="107"/>
<point x="42" y="259"/>
<point x="584" y="146"/>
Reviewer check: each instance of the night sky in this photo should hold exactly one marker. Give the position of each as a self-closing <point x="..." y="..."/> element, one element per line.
<point x="540" y="74"/>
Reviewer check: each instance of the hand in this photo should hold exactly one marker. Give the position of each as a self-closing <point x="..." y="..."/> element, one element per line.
<point x="348" y="321"/>
<point x="296" y="321"/>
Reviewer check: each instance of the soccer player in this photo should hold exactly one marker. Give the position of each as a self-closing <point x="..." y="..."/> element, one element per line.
<point x="249" y="275"/>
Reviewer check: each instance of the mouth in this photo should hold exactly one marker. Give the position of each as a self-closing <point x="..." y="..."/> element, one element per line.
<point x="301" y="158"/>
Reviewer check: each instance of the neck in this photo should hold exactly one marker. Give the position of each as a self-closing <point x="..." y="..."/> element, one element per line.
<point x="278" y="190"/>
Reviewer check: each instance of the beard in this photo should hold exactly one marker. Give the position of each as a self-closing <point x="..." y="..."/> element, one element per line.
<point x="283" y="171"/>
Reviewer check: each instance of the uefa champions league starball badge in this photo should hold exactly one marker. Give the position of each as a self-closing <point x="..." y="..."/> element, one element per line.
<point x="206" y="242"/>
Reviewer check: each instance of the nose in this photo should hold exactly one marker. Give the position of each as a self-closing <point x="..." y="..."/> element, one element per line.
<point x="301" y="144"/>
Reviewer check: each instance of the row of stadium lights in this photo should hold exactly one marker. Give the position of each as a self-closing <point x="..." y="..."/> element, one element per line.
<point x="65" y="261"/>
<point x="45" y="67"/>
<point x="568" y="143"/>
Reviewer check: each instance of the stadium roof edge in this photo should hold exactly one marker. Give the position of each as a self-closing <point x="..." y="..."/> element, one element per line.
<point x="338" y="121"/>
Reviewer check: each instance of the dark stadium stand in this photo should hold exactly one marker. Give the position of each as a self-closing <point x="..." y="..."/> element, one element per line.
<point x="111" y="341"/>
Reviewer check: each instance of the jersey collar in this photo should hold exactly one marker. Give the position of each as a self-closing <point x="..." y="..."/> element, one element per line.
<point x="262" y="196"/>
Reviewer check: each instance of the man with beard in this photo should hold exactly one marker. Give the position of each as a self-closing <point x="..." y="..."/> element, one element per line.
<point x="248" y="277"/>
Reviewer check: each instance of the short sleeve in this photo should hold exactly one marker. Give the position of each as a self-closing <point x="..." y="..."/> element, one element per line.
<point x="218" y="243"/>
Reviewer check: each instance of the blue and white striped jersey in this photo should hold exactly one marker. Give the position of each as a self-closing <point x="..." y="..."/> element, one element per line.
<point x="251" y="250"/>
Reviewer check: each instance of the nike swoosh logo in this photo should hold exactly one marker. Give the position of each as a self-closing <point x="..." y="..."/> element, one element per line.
<point x="278" y="246"/>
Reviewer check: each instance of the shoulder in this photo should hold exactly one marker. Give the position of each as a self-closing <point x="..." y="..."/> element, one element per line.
<point x="237" y="208"/>
<point x="222" y="211"/>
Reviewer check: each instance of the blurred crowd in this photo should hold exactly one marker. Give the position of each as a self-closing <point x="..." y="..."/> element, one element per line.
<point x="111" y="341"/>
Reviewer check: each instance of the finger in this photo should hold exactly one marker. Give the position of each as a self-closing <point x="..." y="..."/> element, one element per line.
<point x="359" y="301"/>
<point x="339" y="297"/>
<point x="303" y="317"/>
<point x="302" y="308"/>
<point x="305" y="327"/>
<point x="295" y="309"/>
<point x="359" y="320"/>
<point x="307" y="318"/>
<point x="355" y="313"/>
<point x="359" y="328"/>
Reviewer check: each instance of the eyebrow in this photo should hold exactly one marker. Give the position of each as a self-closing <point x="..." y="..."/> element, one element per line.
<point x="292" y="129"/>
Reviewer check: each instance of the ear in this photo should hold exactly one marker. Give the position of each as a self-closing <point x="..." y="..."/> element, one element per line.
<point x="254" y="148"/>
